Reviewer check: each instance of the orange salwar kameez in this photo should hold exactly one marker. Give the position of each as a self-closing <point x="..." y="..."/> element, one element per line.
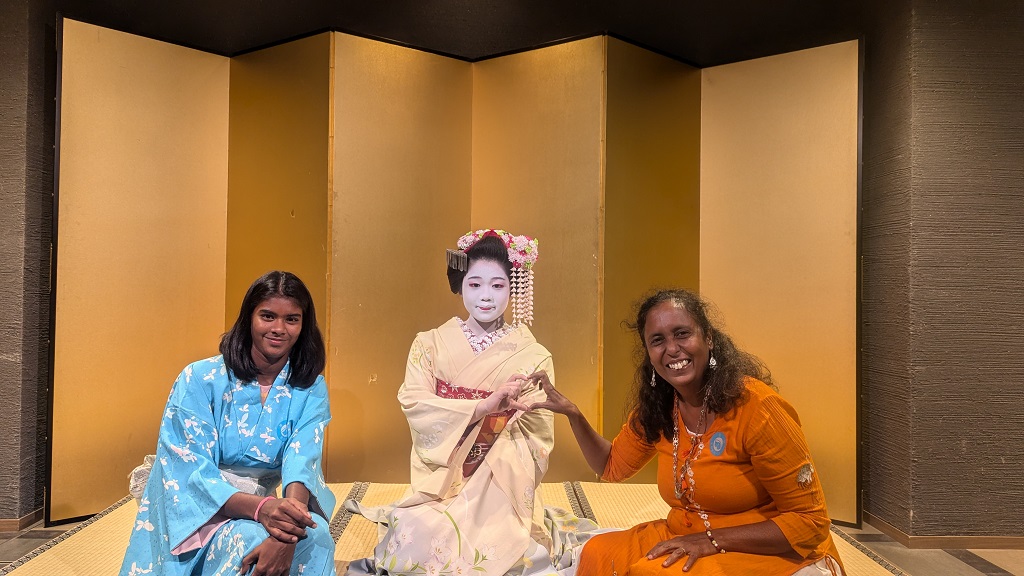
<point x="747" y="472"/>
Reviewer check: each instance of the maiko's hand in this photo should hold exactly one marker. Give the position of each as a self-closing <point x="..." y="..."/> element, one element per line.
<point x="270" y="558"/>
<point x="693" y="546"/>
<point x="286" y="519"/>
<point x="506" y="397"/>
<point x="556" y="401"/>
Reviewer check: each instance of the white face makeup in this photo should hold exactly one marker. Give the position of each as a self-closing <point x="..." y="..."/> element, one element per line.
<point x="485" y="292"/>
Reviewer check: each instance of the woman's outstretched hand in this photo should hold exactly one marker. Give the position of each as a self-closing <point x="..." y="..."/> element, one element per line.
<point x="506" y="397"/>
<point x="556" y="401"/>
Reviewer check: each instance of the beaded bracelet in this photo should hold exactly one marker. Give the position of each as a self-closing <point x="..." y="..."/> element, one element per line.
<point x="715" y="543"/>
<point x="256" y="514"/>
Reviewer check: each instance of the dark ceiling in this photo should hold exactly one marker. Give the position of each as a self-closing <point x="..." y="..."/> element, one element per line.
<point x="700" y="33"/>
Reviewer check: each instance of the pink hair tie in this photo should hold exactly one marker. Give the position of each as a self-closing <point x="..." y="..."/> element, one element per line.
<point x="256" y="514"/>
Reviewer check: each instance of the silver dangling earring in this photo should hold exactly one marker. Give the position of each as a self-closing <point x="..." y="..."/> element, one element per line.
<point x="712" y="363"/>
<point x="654" y="381"/>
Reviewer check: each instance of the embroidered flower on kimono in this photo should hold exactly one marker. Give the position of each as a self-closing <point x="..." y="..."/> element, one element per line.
<point x="296" y="445"/>
<point x="268" y="436"/>
<point x="486" y="552"/>
<point x="404" y="537"/>
<point x="528" y="497"/>
<point x="188" y="373"/>
<point x="260" y="455"/>
<point x="185" y="454"/>
<point x="136" y="569"/>
<point x="432" y="568"/>
<point x="439" y="549"/>
<point x="144" y="525"/>
<point x="392" y="546"/>
<point x="172" y="483"/>
<point x="461" y="567"/>
<point x="144" y="504"/>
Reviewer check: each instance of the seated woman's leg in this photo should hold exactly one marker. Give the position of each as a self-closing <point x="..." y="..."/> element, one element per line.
<point x="617" y="552"/>
<point x="314" y="554"/>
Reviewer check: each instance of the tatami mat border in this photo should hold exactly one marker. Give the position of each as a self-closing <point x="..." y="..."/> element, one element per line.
<point x="54" y="541"/>
<point x="342" y="516"/>
<point x="584" y="510"/>
<point x="867" y="552"/>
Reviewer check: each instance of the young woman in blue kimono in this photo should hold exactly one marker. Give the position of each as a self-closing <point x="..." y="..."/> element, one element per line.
<point x="236" y="427"/>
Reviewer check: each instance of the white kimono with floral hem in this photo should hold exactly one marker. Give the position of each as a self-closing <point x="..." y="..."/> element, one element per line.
<point x="491" y="523"/>
<point x="213" y="421"/>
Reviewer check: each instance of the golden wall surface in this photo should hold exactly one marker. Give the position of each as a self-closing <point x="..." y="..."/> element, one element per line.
<point x="652" y="203"/>
<point x="278" y="169"/>
<point x="538" y="169"/>
<point x="402" y="160"/>
<point x="140" y="267"/>
<point x="779" y="236"/>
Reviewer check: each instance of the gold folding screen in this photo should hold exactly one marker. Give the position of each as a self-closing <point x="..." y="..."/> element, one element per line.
<point x="140" y="267"/>
<point x="401" y="196"/>
<point x="355" y="164"/>
<point x="538" y="131"/>
<point x="278" y="169"/>
<point x="778" y="236"/>
<point x="652" y="202"/>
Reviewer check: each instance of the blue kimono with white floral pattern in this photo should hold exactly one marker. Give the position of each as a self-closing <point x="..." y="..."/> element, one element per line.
<point x="213" y="421"/>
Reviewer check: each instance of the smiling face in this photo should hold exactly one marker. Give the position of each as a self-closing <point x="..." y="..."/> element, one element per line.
<point x="485" y="291"/>
<point x="276" y="325"/>
<point x="677" y="347"/>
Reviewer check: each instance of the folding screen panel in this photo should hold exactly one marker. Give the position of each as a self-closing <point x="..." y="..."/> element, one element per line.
<point x="401" y="195"/>
<point x="779" y="143"/>
<point x="652" y="203"/>
<point x="279" y="169"/>
<point x="140" y="267"/>
<point x="538" y="131"/>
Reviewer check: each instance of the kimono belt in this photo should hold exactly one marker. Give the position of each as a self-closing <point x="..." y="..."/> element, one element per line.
<point x="492" y="425"/>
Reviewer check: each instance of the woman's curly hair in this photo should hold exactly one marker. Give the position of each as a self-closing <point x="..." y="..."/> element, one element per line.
<point x="652" y="407"/>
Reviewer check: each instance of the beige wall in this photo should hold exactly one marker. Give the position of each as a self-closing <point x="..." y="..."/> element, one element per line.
<point x="140" y="271"/>
<point x="652" y="202"/>
<point x="279" y="168"/>
<point x="538" y="132"/>
<point x="401" y="196"/>
<point x="778" y="236"/>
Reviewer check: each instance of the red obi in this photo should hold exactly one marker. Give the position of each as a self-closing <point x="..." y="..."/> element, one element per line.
<point x="493" y="424"/>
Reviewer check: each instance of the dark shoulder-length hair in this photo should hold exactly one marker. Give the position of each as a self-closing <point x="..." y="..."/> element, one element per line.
<point x="652" y="407"/>
<point x="487" y="248"/>
<point x="307" y="357"/>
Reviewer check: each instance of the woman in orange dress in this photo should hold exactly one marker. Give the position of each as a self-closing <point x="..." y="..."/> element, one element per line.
<point x="732" y="459"/>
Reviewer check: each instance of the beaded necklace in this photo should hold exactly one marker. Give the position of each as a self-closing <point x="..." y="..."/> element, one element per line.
<point x="696" y="447"/>
<point x="483" y="341"/>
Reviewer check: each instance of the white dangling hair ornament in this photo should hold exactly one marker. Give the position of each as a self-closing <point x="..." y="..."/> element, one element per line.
<point x="522" y="253"/>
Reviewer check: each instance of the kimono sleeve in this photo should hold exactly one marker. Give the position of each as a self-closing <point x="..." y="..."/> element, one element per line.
<point x="303" y="456"/>
<point x="782" y="462"/>
<point x="629" y="454"/>
<point x="186" y="483"/>
<point x="538" y="426"/>
<point x="436" y="424"/>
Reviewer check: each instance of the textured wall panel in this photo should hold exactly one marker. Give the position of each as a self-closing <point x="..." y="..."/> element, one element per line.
<point x="27" y="85"/>
<point x="967" y="288"/>
<point x="886" y="202"/>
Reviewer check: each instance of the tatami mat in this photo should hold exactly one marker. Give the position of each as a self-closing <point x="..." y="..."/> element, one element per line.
<point x="93" y="548"/>
<point x="96" y="547"/>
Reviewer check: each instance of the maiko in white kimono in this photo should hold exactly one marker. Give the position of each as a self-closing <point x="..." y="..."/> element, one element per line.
<point x="216" y="438"/>
<point x="473" y="506"/>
